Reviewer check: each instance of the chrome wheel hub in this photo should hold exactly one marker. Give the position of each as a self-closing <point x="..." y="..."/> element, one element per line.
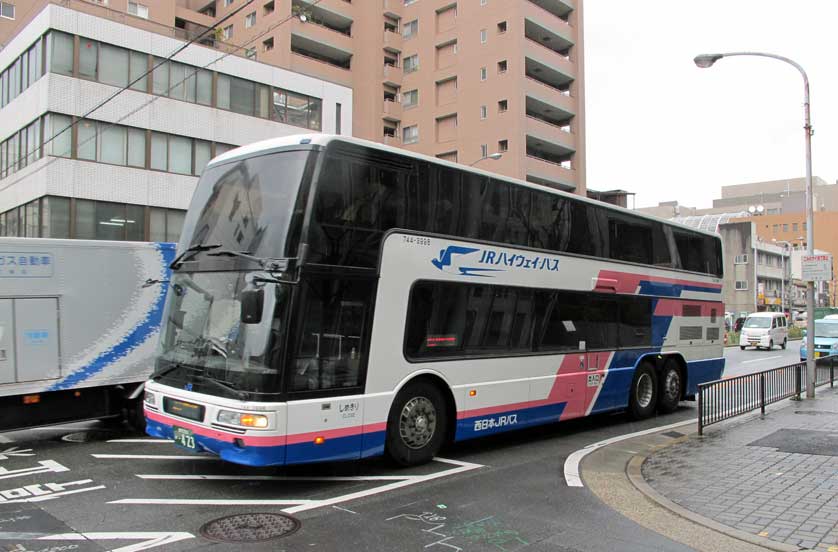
<point x="645" y="391"/>
<point x="417" y="422"/>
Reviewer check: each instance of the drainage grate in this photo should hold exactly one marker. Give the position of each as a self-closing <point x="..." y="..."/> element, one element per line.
<point x="250" y="527"/>
<point x="673" y="434"/>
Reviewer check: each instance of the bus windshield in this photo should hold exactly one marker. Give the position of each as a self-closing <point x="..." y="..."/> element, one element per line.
<point x="204" y="339"/>
<point x="251" y="205"/>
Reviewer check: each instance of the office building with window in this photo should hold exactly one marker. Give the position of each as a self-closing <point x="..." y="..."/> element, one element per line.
<point x="127" y="170"/>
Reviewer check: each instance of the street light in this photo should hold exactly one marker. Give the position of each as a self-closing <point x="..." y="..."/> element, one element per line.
<point x="494" y="156"/>
<point x="706" y="60"/>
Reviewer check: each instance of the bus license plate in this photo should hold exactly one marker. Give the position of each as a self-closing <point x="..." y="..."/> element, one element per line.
<point x="185" y="438"/>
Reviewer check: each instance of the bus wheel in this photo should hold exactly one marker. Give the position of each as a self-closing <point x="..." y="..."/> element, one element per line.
<point x="671" y="387"/>
<point x="416" y="425"/>
<point x="644" y="392"/>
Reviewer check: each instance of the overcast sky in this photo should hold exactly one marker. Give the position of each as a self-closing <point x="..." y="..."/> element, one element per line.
<point x="661" y="127"/>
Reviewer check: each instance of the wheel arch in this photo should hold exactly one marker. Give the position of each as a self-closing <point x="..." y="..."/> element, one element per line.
<point x="437" y="380"/>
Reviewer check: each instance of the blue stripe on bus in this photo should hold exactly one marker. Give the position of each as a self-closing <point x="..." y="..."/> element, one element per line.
<point x="662" y="289"/>
<point x="525" y="417"/>
<point x="350" y="447"/>
<point x="702" y="371"/>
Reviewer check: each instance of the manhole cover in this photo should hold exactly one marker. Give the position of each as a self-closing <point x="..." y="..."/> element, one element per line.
<point x="673" y="434"/>
<point x="249" y="527"/>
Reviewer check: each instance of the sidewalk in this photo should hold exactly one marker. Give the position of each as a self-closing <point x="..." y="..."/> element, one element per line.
<point x="775" y="477"/>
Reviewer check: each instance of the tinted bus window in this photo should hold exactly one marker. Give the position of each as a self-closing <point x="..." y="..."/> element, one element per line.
<point x="690" y="250"/>
<point x="630" y="239"/>
<point x="563" y="326"/>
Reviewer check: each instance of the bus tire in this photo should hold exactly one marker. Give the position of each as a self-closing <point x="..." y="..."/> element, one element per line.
<point x="416" y="424"/>
<point x="643" y="395"/>
<point x="671" y="387"/>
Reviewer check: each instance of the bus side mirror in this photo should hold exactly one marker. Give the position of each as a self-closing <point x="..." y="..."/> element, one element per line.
<point x="251" y="299"/>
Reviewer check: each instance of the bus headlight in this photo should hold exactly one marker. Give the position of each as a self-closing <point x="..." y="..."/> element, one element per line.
<point x="243" y="420"/>
<point x="149" y="398"/>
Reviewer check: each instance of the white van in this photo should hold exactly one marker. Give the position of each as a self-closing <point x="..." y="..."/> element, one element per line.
<point x="764" y="329"/>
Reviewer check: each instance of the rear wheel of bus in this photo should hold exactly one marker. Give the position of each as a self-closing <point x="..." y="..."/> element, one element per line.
<point x="417" y="424"/>
<point x="671" y="387"/>
<point x="643" y="395"/>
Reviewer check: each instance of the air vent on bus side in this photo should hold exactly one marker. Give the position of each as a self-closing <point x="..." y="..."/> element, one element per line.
<point x="690" y="333"/>
<point x="712" y="334"/>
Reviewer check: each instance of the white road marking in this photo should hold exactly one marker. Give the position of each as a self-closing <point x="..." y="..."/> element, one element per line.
<point x="761" y="359"/>
<point x="4" y="439"/>
<point x="177" y="477"/>
<point x="295" y="505"/>
<point x="571" y="465"/>
<point x="214" y="501"/>
<point x="149" y="539"/>
<point x="161" y="441"/>
<point x="462" y="467"/>
<point x="152" y="457"/>
<point x="344" y="509"/>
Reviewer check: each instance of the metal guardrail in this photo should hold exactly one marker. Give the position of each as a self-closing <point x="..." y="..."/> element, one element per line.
<point x="727" y="398"/>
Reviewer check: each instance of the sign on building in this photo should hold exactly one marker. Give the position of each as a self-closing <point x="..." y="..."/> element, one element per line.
<point x="817" y="268"/>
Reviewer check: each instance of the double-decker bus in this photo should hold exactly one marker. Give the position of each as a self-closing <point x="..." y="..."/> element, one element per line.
<point x="336" y="299"/>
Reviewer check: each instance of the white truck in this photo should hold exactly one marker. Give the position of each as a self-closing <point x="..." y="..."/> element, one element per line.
<point x="78" y="328"/>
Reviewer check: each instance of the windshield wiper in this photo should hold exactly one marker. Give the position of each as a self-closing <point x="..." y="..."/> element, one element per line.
<point x="268" y="264"/>
<point x="166" y="370"/>
<point x="191" y="252"/>
<point x="242" y="395"/>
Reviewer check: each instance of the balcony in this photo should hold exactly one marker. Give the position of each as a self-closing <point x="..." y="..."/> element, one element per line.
<point x="392" y="140"/>
<point x="555" y="76"/>
<point x="558" y="98"/>
<point x="559" y="136"/>
<point x="556" y="113"/>
<point x="392" y="75"/>
<point x="392" y="8"/>
<point x="555" y="38"/>
<point x="392" y="110"/>
<point x="324" y="15"/>
<point x="329" y="38"/>
<point x="549" y="163"/>
<point x="547" y="65"/>
<point x="393" y="41"/>
<point x="559" y="8"/>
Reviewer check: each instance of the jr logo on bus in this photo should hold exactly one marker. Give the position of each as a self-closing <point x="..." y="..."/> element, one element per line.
<point x="492" y="423"/>
<point x="453" y="259"/>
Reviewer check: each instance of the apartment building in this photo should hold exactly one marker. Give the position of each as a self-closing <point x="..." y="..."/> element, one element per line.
<point x="127" y="171"/>
<point x="456" y="79"/>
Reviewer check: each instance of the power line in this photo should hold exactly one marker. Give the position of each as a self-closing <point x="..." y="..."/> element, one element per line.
<point x="154" y="98"/>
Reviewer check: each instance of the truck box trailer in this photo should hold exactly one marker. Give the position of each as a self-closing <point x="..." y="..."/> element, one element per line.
<point x="78" y="328"/>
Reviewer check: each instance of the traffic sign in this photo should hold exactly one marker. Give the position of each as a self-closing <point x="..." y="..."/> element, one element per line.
<point x="817" y="268"/>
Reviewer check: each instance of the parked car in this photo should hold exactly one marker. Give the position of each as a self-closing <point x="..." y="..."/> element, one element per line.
<point x="764" y="330"/>
<point x="826" y="338"/>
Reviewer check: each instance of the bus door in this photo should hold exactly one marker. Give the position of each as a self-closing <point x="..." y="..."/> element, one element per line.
<point x="602" y="323"/>
<point x="325" y="407"/>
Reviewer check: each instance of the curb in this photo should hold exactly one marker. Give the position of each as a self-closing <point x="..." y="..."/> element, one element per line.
<point x="633" y="471"/>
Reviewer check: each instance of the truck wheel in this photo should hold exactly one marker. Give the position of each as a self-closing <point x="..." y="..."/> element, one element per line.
<point x="771" y="345"/>
<point x="644" y="392"/>
<point x="742" y="347"/>
<point x="671" y="387"/>
<point x="416" y="424"/>
<point x="785" y="342"/>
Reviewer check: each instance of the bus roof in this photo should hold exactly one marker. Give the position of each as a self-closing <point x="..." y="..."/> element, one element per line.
<point x="324" y="140"/>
